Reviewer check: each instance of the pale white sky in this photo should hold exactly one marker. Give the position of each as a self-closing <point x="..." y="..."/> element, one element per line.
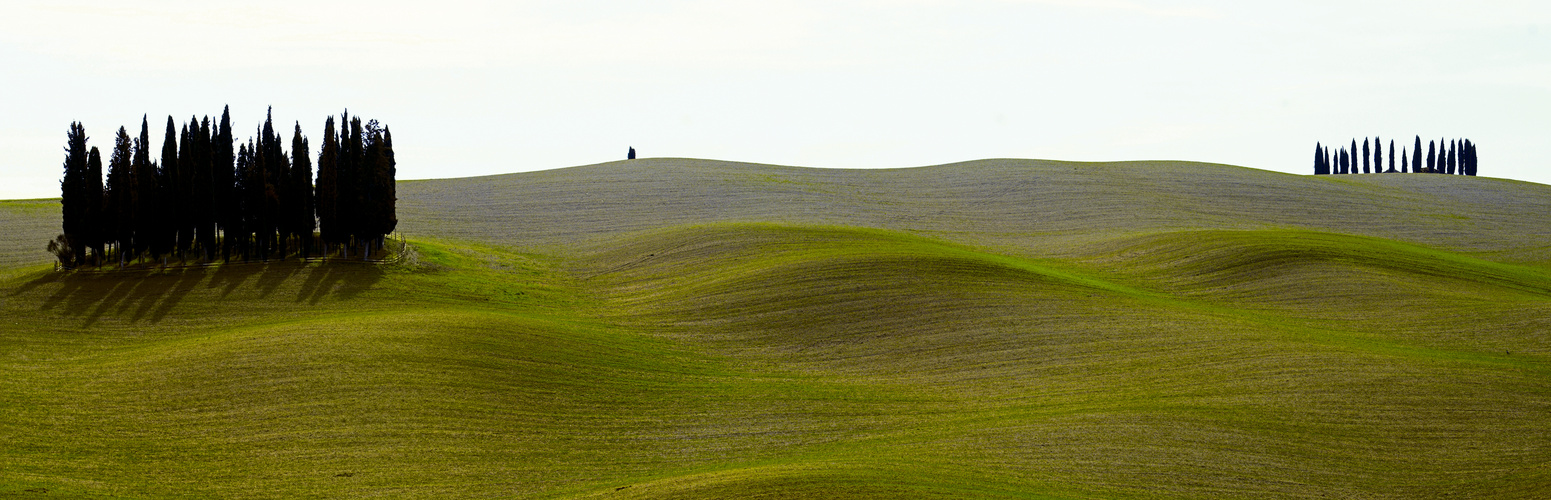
<point x="474" y="88"/>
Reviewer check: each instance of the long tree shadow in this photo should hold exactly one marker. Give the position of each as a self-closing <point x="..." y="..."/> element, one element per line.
<point x="167" y="293"/>
<point x="342" y="280"/>
<point x="151" y="295"/>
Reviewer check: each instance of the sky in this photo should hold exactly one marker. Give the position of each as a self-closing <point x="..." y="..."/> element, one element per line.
<point x="490" y="87"/>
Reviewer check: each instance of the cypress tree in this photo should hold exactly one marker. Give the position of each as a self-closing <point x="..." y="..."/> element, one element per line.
<point x="1392" y="156"/>
<point x="71" y="193"/>
<point x="1453" y="157"/>
<point x="92" y="195"/>
<point x="1464" y="156"/>
<point x="1432" y="157"/>
<point x="119" y="206"/>
<point x="261" y="228"/>
<point x="1352" y="158"/>
<point x="301" y="210"/>
<point x="184" y="207"/>
<point x="228" y="202"/>
<point x="260" y="189"/>
<point x="1470" y="157"/>
<point x="351" y="196"/>
<point x="1457" y="156"/>
<point x="243" y="173"/>
<point x="1443" y="157"/>
<point x="277" y="188"/>
<point x="1378" y="155"/>
<point x="344" y="203"/>
<point x="202" y="188"/>
<point x="385" y="172"/>
<point x="1404" y="161"/>
<point x="327" y="192"/>
<point x="146" y="201"/>
<point x="169" y="213"/>
<point x="371" y="150"/>
<point x="1319" y="160"/>
<point x="1445" y="161"/>
<point x="1416" y="155"/>
<point x="1365" y="156"/>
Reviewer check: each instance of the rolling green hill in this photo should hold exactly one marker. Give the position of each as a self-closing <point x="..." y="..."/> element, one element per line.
<point x="697" y="329"/>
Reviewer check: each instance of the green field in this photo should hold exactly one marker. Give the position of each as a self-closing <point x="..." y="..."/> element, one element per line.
<point x="672" y="328"/>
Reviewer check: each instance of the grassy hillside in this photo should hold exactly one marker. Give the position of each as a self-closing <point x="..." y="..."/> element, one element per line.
<point x="698" y="329"/>
<point x="28" y="227"/>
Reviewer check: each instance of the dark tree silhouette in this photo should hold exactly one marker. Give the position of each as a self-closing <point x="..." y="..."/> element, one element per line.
<point x="1432" y="157"/>
<point x="168" y="215"/>
<point x="350" y="199"/>
<point x="631" y="154"/>
<point x="1378" y="155"/>
<point x="202" y="186"/>
<point x="224" y="179"/>
<point x="1416" y="155"/>
<point x="72" y="195"/>
<point x="1453" y="157"/>
<point x="277" y="196"/>
<point x="1443" y="157"/>
<point x="244" y="190"/>
<point x="1365" y="156"/>
<point x="1405" y="161"/>
<point x="327" y="193"/>
<point x="228" y="204"/>
<point x="147" y="196"/>
<point x="1464" y="156"/>
<point x="1392" y="156"/>
<point x="1470" y="157"/>
<point x="183" y="199"/>
<point x="1352" y="159"/>
<point x="1320" y="168"/>
<point x="384" y="170"/>
<point x="92" y="195"/>
<point x="302" y="202"/>
<point x="258" y="189"/>
<point x="118" y="203"/>
<point x="259" y="202"/>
